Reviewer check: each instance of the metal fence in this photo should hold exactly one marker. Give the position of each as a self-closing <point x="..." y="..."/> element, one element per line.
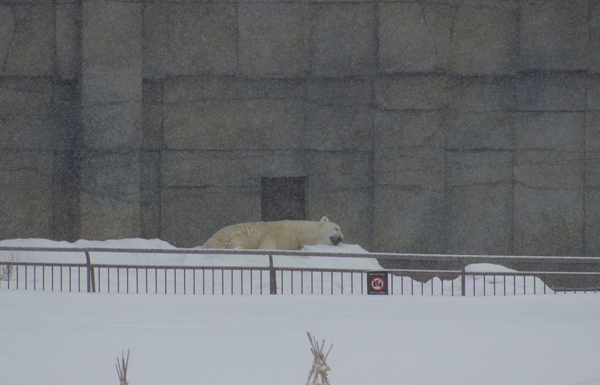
<point x="455" y="278"/>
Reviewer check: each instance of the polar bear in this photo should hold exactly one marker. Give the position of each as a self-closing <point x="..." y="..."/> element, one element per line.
<point x="277" y="235"/>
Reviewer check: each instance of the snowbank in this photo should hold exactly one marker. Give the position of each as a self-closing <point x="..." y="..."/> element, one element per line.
<point x="207" y="260"/>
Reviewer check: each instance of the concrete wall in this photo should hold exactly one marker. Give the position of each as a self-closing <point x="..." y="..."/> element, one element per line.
<point x="434" y="127"/>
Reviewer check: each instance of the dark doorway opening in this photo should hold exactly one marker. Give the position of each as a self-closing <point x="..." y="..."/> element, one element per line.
<point x="283" y="198"/>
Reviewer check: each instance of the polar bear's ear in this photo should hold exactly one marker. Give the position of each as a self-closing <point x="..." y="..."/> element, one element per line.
<point x="324" y="219"/>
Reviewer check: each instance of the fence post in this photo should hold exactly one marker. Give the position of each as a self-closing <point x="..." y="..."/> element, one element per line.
<point x="463" y="280"/>
<point x="272" y="276"/>
<point x="91" y="280"/>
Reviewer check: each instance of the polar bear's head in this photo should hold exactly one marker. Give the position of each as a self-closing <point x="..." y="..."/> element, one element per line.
<point x="329" y="232"/>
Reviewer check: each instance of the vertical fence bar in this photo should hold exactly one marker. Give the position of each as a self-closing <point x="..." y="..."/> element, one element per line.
<point x="401" y="285"/>
<point x="91" y="288"/>
<point x="332" y="283"/>
<point x="463" y="278"/>
<point x="484" y="285"/>
<point x="544" y="282"/>
<point x="272" y="277"/>
<point x="321" y="282"/>
<point x="362" y="282"/>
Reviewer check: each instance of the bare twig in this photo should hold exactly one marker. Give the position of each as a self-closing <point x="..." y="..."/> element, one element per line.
<point x="319" y="367"/>
<point x="6" y="273"/>
<point x="122" y="368"/>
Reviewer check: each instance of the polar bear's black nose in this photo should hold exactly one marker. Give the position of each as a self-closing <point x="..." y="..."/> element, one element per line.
<point x="335" y="239"/>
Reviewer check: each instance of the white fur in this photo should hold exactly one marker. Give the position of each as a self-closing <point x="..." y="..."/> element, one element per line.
<point x="277" y="235"/>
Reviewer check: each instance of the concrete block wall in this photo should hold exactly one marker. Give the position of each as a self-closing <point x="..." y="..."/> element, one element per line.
<point x="432" y="127"/>
<point x="111" y="113"/>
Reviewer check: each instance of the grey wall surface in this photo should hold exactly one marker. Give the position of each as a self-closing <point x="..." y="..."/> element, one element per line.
<point x="432" y="127"/>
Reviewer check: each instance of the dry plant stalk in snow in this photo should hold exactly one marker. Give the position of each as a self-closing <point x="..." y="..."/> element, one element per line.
<point x="7" y="271"/>
<point x="122" y="368"/>
<point x="319" y="367"/>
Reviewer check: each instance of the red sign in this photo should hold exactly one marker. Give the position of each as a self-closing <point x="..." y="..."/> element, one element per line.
<point x="377" y="284"/>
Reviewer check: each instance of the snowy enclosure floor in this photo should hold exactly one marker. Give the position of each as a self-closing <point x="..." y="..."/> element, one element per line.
<point x="61" y="338"/>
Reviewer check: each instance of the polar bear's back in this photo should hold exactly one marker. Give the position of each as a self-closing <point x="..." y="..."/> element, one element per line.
<point x="241" y="235"/>
<point x="277" y="235"/>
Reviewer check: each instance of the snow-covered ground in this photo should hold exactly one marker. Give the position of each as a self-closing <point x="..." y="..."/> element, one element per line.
<point x="58" y="338"/>
<point x="74" y="338"/>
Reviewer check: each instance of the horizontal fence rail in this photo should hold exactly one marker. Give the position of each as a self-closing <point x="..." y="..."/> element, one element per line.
<point x="454" y="279"/>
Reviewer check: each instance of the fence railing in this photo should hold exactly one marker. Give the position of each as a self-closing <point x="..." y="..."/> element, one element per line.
<point x="455" y="278"/>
